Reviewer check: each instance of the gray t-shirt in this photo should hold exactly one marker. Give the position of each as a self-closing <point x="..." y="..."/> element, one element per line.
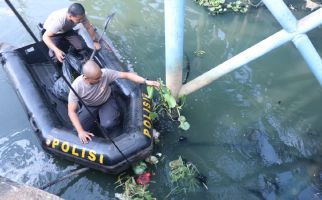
<point x="93" y="95"/>
<point x="57" y="22"/>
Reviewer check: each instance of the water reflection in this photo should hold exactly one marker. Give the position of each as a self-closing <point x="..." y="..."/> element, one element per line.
<point x="26" y="163"/>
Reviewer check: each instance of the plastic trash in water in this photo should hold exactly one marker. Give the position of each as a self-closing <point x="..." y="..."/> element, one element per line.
<point x="139" y="168"/>
<point x="152" y="160"/>
<point x="144" y="178"/>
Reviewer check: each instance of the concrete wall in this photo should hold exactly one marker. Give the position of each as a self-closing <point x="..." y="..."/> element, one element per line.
<point x="10" y="190"/>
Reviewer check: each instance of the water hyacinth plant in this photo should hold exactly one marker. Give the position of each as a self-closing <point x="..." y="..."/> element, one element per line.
<point x="220" y="6"/>
<point x="183" y="174"/>
<point x="168" y="104"/>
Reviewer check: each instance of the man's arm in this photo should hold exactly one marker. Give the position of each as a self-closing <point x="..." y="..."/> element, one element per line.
<point x="90" y="29"/>
<point x="83" y="135"/>
<point x="51" y="45"/>
<point x="138" y="79"/>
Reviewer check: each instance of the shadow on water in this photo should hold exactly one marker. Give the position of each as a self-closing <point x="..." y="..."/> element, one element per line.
<point x="274" y="174"/>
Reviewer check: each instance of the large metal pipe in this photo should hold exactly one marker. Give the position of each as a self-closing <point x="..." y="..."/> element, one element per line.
<point x="304" y="25"/>
<point x="282" y="14"/>
<point x="310" y="55"/>
<point x="174" y="33"/>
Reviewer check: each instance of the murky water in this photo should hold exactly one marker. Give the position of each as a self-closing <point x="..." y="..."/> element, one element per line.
<point x="255" y="133"/>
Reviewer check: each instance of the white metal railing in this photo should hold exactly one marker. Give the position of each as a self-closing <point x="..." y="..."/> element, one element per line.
<point x="293" y="30"/>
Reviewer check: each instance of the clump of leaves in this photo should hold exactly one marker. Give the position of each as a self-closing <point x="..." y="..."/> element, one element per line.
<point x="184" y="174"/>
<point x="168" y="104"/>
<point x="238" y="6"/>
<point x="220" y="6"/>
<point x="132" y="190"/>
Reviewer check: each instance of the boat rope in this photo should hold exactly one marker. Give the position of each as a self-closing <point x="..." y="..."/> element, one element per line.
<point x="64" y="78"/>
<point x="74" y="173"/>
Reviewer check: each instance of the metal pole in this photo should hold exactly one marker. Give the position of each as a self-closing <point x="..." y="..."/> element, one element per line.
<point x="282" y="14"/>
<point x="174" y="33"/>
<point x="310" y="55"/>
<point x="304" y="25"/>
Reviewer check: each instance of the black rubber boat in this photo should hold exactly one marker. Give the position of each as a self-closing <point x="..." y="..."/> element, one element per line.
<point x="32" y="78"/>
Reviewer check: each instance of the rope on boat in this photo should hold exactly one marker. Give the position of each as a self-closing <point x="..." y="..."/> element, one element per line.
<point x="74" y="173"/>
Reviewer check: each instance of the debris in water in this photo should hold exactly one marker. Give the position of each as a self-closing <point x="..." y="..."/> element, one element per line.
<point x="139" y="168"/>
<point x="186" y="175"/>
<point x="182" y="139"/>
<point x="156" y="135"/>
<point x="132" y="189"/>
<point x="202" y="180"/>
<point x="158" y="154"/>
<point x="152" y="160"/>
<point x="144" y="178"/>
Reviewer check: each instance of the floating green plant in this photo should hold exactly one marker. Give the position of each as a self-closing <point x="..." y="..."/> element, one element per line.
<point x="132" y="190"/>
<point x="168" y="104"/>
<point x="220" y="6"/>
<point x="183" y="175"/>
<point x="238" y="6"/>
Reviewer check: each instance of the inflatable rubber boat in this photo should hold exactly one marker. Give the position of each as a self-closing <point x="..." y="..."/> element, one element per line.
<point x="32" y="77"/>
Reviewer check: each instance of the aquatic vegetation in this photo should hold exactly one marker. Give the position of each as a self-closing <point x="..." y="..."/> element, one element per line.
<point x="221" y="6"/>
<point x="132" y="190"/>
<point x="135" y="186"/>
<point x="184" y="174"/>
<point x="166" y="103"/>
<point x="238" y="6"/>
<point x="139" y="168"/>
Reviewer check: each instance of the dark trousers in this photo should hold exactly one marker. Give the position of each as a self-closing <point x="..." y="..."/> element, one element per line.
<point x="71" y="38"/>
<point x="108" y="114"/>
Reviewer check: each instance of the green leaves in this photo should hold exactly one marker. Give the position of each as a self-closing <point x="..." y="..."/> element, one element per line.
<point x="183" y="123"/>
<point x="171" y="101"/>
<point x="153" y="115"/>
<point x="183" y="174"/>
<point x="150" y="91"/>
<point x="220" y="6"/>
<point x="139" y="168"/>
<point x="166" y="102"/>
<point x="132" y="190"/>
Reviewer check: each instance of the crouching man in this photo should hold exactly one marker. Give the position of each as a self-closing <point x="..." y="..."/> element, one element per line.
<point x="93" y="88"/>
<point x="59" y="30"/>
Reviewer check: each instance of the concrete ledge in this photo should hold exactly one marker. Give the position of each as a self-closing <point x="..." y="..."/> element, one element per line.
<point x="10" y="190"/>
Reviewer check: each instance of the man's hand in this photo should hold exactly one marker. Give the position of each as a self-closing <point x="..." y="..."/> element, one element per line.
<point x="155" y="84"/>
<point x="47" y="38"/>
<point x="60" y="55"/>
<point x="97" y="45"/>
<point x="85" y="136"/>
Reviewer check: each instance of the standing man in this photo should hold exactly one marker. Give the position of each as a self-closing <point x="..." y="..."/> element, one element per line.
<point x="93" y="88"/>
<point x="59" y="30"/>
